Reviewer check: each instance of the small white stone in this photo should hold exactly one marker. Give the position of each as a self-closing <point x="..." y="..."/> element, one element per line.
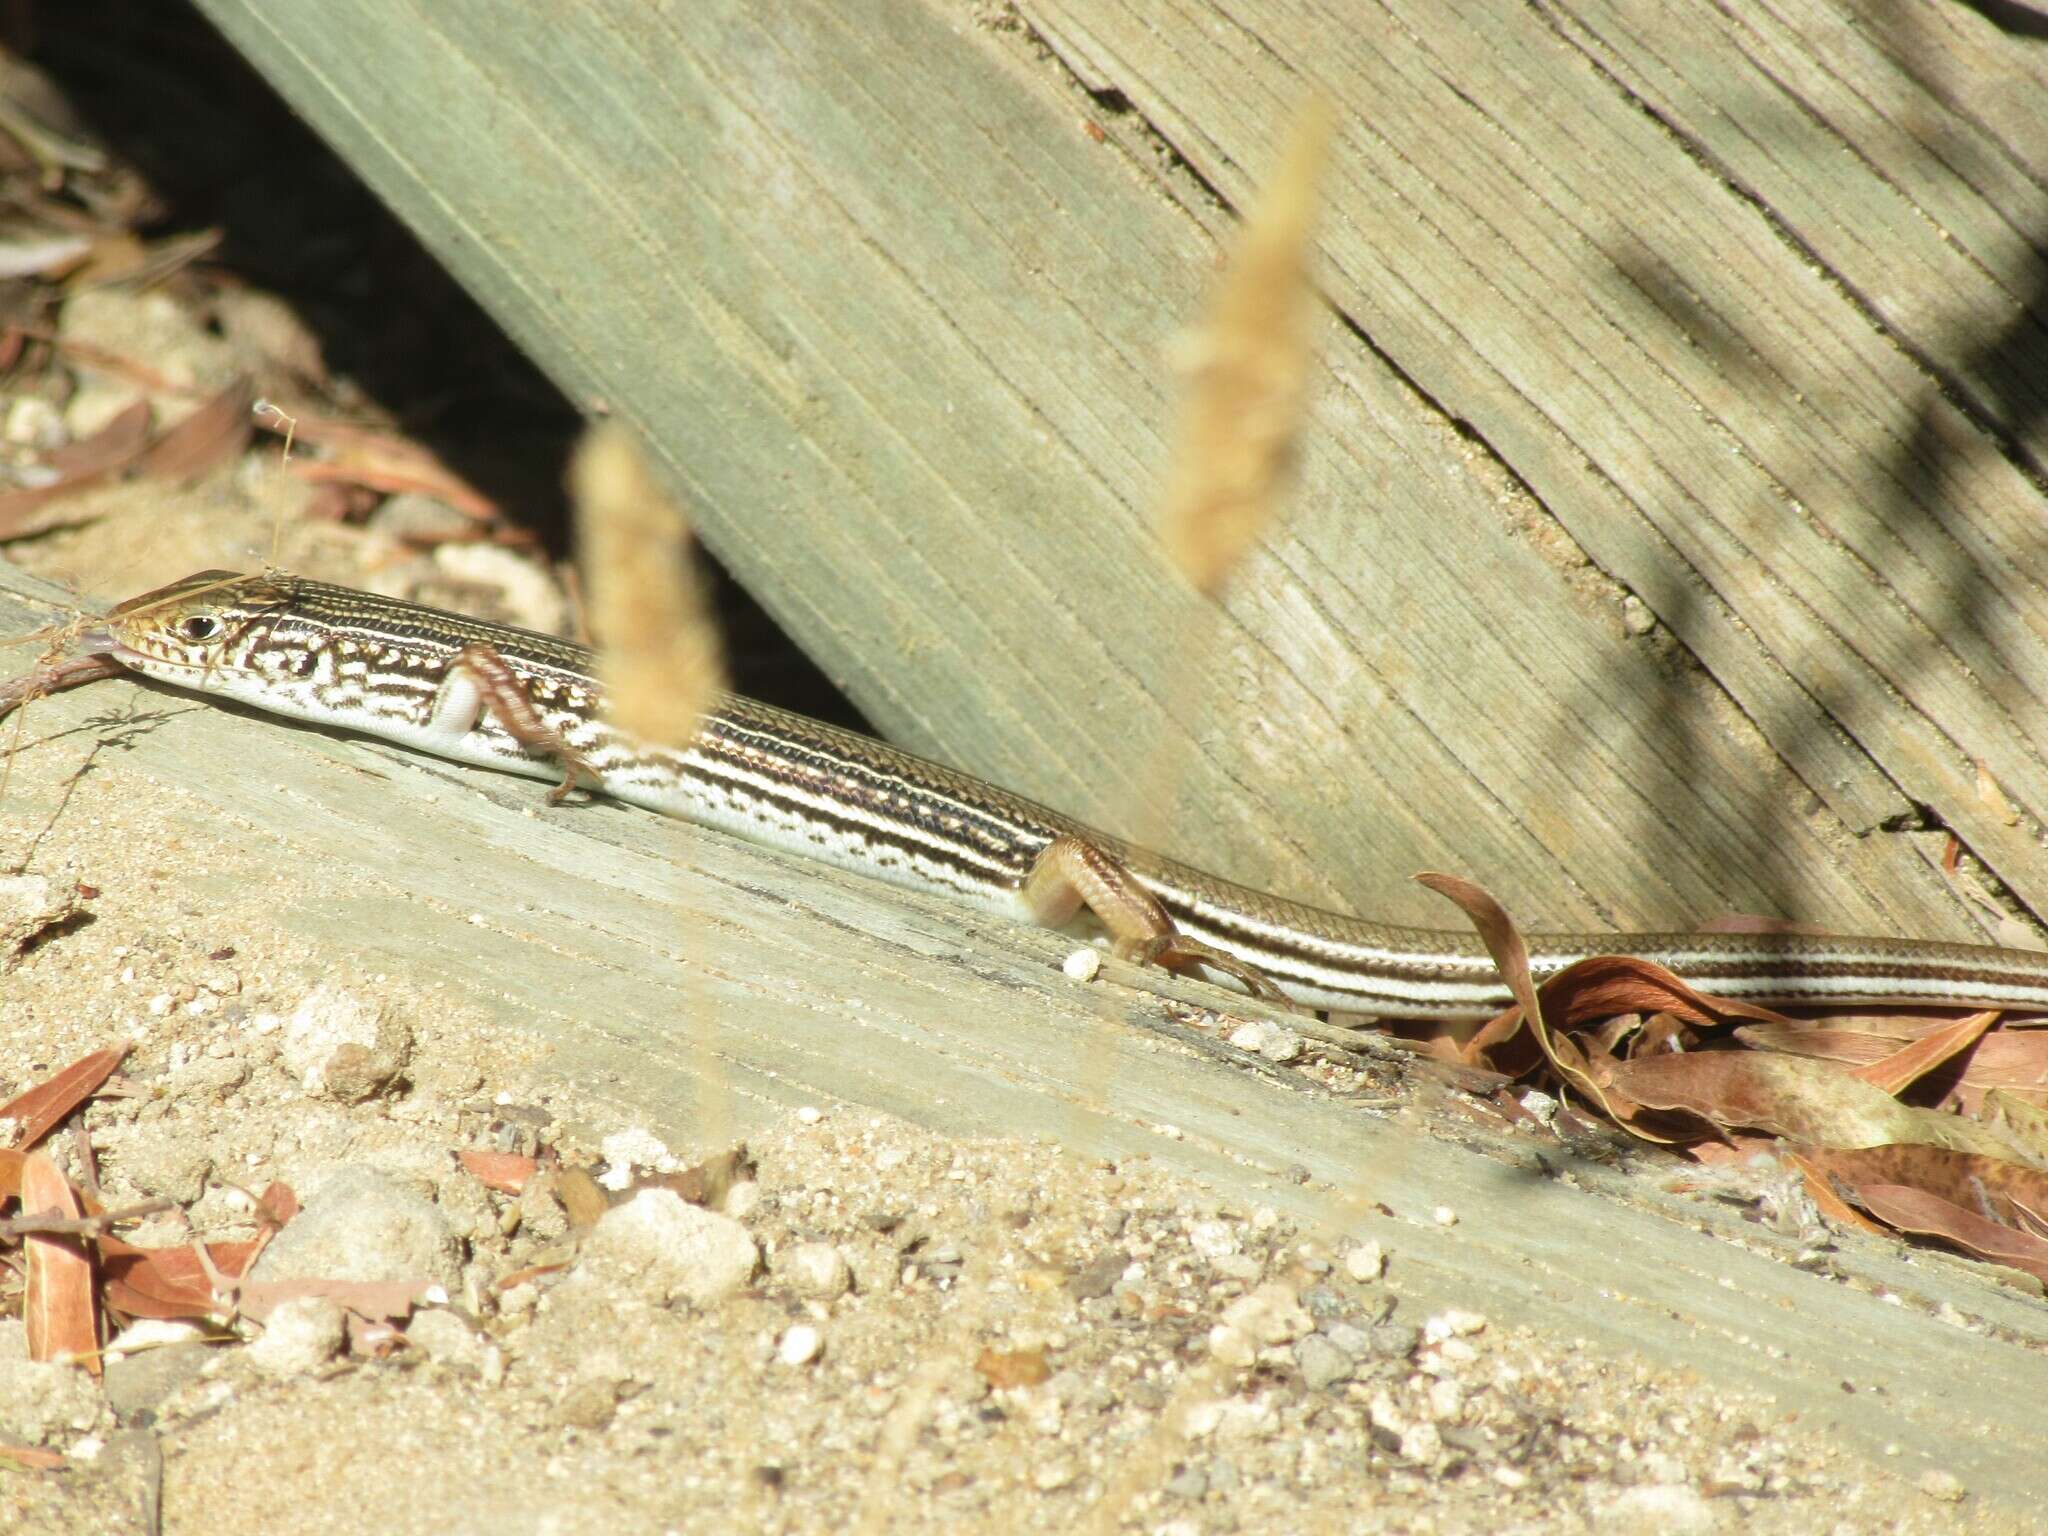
<point x="299" y="1337"/>
<point x="1212" y="1239"/>
<point x="800" y="1345"/>
<point x="639" y="1147"/>
<point x="35" y="423"/>
<point x="1232" y="1346"/>
<point x="1082" y="965"/>
<point x="1270" y="1314"/>
<point x="663" y="1248"/>
<point x="810" y="1114"/>
<point x="1444" y="1216"/>
<point x="1367" y="1262"/>
<point x="1452" y="1324"/>
<point x="1053" y="1475"/>
<point x="817" y="1269"/>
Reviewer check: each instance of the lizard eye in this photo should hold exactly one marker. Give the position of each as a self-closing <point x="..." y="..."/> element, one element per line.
<point x="198" y="626"/>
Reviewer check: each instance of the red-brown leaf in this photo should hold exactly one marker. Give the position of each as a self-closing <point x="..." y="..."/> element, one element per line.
<point x="210" y="436"/>
<point x="168" y="1282"/>
<point x="76" y="466"/>
<point x="1804" y="1101"/>
<point x="1503" y="942"/>
<point x="1997" y="1188"/>
<point x="1914" y="1210"/>
<point x="506" y="1172"/>
<point x="1902" y="1067"/>
<point x="40" y="1109"/>
<point x="57" y="1301"/>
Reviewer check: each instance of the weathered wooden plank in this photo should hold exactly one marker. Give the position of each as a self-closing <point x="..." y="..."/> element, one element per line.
<point x="895" y="322"/>
<point x="1712" y="417"/>
<point x="701" y="986"/>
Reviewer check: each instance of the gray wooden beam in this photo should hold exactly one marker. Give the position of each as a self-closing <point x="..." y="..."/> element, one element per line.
<point x="895" y="321"/>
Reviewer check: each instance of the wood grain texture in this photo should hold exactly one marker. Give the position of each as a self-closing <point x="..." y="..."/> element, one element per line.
<point x="895" y="321"/>
<point x="704" y="987"/>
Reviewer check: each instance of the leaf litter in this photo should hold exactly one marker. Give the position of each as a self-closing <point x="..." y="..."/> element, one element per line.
<point x="1933" y="1124"/>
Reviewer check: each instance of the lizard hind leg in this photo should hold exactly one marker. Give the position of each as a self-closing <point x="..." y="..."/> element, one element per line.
<point x="1070" y="874"/>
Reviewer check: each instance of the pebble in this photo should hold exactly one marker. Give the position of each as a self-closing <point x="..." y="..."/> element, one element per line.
<point x="665" y="1249"/>
<point x="1322" y="1363"/>
<point x="589" y="1404"/>
<point x="360" y="1224"/>
<point x="1350" y="1338"/>
<point x="1098" y="1277"/>
<point x="1366" y="1263"/>
<point x="1212" y="1239"/>
<point x="33" y="422"/>
<point x="343" y="1047"/>
<point x="1942" y="1485"/>
<point x="418" y="518"/>
<point x="299" y="1337"/>
<point x="1271" y="1314"/>
<point x="1055" y="1474"/>
<point x="1444" y="1216"/>
<point x="1082" y="965"/>
<point x="800" y="1345"/>
<point x="1272" y="1041"/>
<point x="816" y="1269"/>
<point x="447" y="1340"/>
<point x="1453" y="1324"/>
<point x="40" y="1401"/>
<point x="1232" y="1346"/>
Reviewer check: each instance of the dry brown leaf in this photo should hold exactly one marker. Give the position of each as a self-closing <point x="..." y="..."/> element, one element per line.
<point x="1247" y="364"/>
<point x="1908" y="1064"/>
<point x="708" y="1182"/>
<point x="58" y="1304"/>
<point x="2020" y="1121"/>
<point x="210" y="436"/>
<point x="1832" y="1206"/>
<point x="505" y="1172"/>
<point x="382" y="461"/>
<point x="170" y="1283"/>
<point x="1803" y="1101"/>
<point x="2011" y="1057"/>
<point x="658" y="649"/>
<point x="39" y="1110"/>
<point x="34" y="1457"/>
<point x="378" y="1301"/>
<point x="1993" y="1187"/>
<point x="75" y="466"/>
<point x="1914" y="1210"/>
<point x="582" y="1197"/>
<point x="1503" y="941"/>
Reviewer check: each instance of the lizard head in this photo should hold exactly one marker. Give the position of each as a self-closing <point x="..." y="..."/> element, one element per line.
<point x="193" y="630"/>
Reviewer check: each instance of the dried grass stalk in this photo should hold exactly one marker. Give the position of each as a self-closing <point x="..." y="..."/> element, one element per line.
<point x="658" y="651"/>
<point x="1246" y="364"/>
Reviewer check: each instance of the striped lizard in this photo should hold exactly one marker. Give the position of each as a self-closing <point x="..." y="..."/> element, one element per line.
<point x="528" y="703"/>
